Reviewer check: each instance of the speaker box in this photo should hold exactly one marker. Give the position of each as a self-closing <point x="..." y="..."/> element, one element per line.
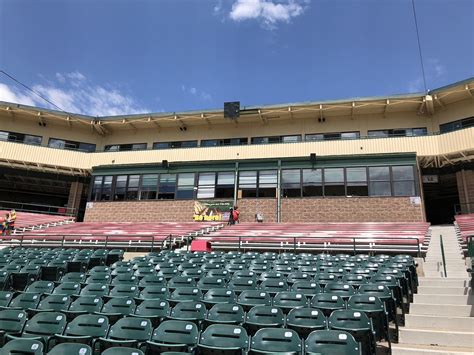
<point x="312" y="157"/>
<point x="232" y="110"/>
<point x="165" y="164"/>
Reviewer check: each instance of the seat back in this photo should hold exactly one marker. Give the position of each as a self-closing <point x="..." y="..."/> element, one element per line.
<point x="226" y="313"/>
<point x="154" y="292"/>
<point x="184" y="294"/>
<point x="327" y="302"/>
<point x="25" y="300"/>
<point x="288" y="300"/>
<point x="251" y="298"/>
<point x="228" y="339"/>
<point x="119" y="305"/>
<point x="305" y="320"/>
<point x="127" y="290"/>
<point x="265" y="316"/>
<point x="87" y="304"/>
<point x="12" y="321"/>
<point x="331" y="342"/>
<point x="174" y="335"/>
<point x="195" y="311"/>
<point x="92" y="325"/>
<point x="46" y="324"/>
<point x="71" y="348"/>
<point x="131" y="328"/>
<point x="23" y="346"/>
<point x="40" y="287"/>
<point x="153" y="308"/>
<point x="308" y="288"/>
<point x="275" y="341"/>
<point x="95" y="289"/>
<point x="67" y="288"/>
<point x="219" y="295"/>
<point x="55" y="303"/>
<point x="5" y="298"/>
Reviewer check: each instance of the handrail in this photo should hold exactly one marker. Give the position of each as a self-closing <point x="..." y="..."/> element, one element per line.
<point x="301" y="243"/>
<point x="30" y="207"/>
<point x="442" y="255"/>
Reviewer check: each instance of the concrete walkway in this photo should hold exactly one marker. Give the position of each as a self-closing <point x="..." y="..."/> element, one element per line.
<point x="441" y="319"/>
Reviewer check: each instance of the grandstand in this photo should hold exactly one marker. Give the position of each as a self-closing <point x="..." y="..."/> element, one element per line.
<point x="122" y="243"/>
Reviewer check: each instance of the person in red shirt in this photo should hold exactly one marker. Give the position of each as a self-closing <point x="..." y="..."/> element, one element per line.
<point x="235" y="214"/>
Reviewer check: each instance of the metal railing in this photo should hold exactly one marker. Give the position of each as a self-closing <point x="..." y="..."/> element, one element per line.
<point x="35" y="208"/>
<point x="354" y="245"/>
<point x="442" y="255"/>
<point x="135" y="242"/>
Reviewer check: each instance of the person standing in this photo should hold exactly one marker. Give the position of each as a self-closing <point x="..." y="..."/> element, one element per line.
<point x="231" y="217"/>
<point x="236" y="214"/>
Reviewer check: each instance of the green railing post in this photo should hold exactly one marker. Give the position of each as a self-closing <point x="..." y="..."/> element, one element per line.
<point x="442" y="255"/>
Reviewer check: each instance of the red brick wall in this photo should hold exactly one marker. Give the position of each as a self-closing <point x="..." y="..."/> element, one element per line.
<point x="250" y="206"/>
<point x="141" y="211"/>
<point x="465" y="182"/>
<point x="353" y="209"/>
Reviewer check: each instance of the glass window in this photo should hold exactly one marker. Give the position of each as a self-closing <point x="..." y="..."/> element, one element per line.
<point x="106" y="193"/>
<point x="248" y="183"/>
<point x="403" y="180"/>
<point x="267" y="183"/>
<point x="167" y="186"/>
<point x="291" y="183"/>
<point x="350" y="135"/>
<point x="132" y="188"/>
<point x="291" y="139"/>
<point x="225" y="184"/>
<point x="265" y="140"/>
<point x="34" y="140"/>
<point x="112" y="148"/>
<point x="96" y="188"/>
<point x="206" y="185"/>
<point x="402" y="173"/>
<point x="87" y="147"/>
<point x="120" y="187"/>
<point x="209" y="143"/>
<point x="4" y="135"/>
<point x="56" y="143"/>
<point x="314" y="137"/>
<point x="403" y="188"/>
<point x="178" y="144"/>
<point x="124" y="147"/>
<point x="185" y="186"/>
<point x="357" y="181"/>
<point x="149" y="187"/>
<point x="334" y="182"/>
<point x="312" y="182"/>
<point x="378" y="134"/>
<point x="379" y="177"/>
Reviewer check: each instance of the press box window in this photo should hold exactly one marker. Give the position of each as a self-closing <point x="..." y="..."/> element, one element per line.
<point x="174" y="145"/>
<point x="132" y="187"/>
<point x="312" y="182"/>
<point x="106" y="192"/>
<point x="291" y="183"/>
<point x="267" y="183"/>
<point x="124" y="147"/>
<point x="379" y="177"/>
<point x="149" y="187"/>
<point x="223" y="142"/>
<point x="120" y="187"/>
<point x="248" y="183"/>
<point x="225" y="185"/>
<point x="206" y="185"/>
<point x="356" y="180"/>
<point x="185" y="186"/>
<point x="167" y="186"/>
<point x="334" y="182"/>
<point x="403" y="180"/>
<point x="20" y="138"/>
<point x="71" y="145"/>
<point x="96" y="188"/>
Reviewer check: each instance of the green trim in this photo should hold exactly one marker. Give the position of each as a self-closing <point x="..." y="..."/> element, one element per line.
<point x="261" y="164"/>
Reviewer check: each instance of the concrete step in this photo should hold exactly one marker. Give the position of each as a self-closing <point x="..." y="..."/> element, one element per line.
<point x="456" y="275"/>
<point x="411" y="349"/>
<point x="457" y="324"/>
<point x="434" y="337"/>
<point x="442" y="310"/>
<point x="443" y="282"/>
<point x="444" y="299"/>
<point x="442" y="290"/>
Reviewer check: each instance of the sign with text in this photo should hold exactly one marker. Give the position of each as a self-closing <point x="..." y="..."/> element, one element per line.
<point x="208" y="211"/>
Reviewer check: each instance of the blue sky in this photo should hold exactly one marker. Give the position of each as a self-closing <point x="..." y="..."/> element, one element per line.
<point x="104" y="57"/>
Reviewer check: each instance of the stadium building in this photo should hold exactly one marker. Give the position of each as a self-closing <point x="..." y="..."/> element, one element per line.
<point x="401" y="158"/>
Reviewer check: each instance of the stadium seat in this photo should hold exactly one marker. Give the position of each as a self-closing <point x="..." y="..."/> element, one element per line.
<point x="218" y="295"/>
<point x="5" y="298"/>
<point x="185" y="294"/>
<point x="154" y="292"/>
<point x="262" y="317"/>
<point x="242" y="284"/>
<point x="84" y="304"/>
<point x="124" y="290"/>
<point x="341" y="289"/>
<point x="152" y="280"/>
<point x="40" y="287"/>
<point x="305" y="320"/>
<point x="102" y="278"/>
<point x="308" y="288"/>
<point x="71" y="349"/>
<point x="173" y="336"/>
<point x="331" y="342"/>
<point x="225" y="313"/>
<point x="128" y="332"/>
<point x="358" y="325"/>
<point x="124" y="279"/>
<point x="276" y="341"/>
<point x="95" y="289"/>
<point x="327" y="303"/>
<point x="25" y="300"/>
<point x="189" y="311"/>
<point x="250" y="298"/>
<point x="208" y="282"/>
<point x="67" y="288"/>
<point x="54" y="303"/>
<point x="288" y="300"/>
<point x="73" y="277"/>
<point x="11" y="322"/>
<point x="45" y="325"/>
<point x="154" y="310"/>
<point x="84" y="329"/>
<point x="23" y="346"/>
<point x="117" y="307"/>
<point x="193" y="273"/>
<point x="223" y="339"/>
<point x="122" y="351"/>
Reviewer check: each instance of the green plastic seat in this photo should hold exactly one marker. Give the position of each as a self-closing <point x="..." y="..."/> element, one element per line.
<point x="54" y="303"/>
<point x="250" y="298"/>
<point x="327" y="303"/>
<point x="208" y="282"/>
<point x="181" y="281"/>
<point x="287" y="300"/>
<point x="155" y="310"/>
<point x="173" y="336"/>
<point x="386" y="296"/>
<point x="273" y="286"/>
<point x="129" y="332"/>
<point x="67" y="288"/>
<point x="85" y="329"/>
<point x="124" y="279"/>
<point x="45" y="325"/>
<point x="116" y="308"/>
<point x="40" y="287"/>
<point x="5" y="298"/>
<point x="103" y="278"/>
<point x="76" y="277"/>
<point x="308" y="288"/>
<point x="242" y="284"/>
<point x="100" y="269"/>
<point x="71" y="349"/>
<point x="12" y="322"/>
<point x="356" y="280"/>
<point x="23" y="346"/>
<point x="152" y="280"/>
<point x="122" y="351"/>
<point x="154" y="292"/>
<point x="223" y="339"/>
<point x="188" y="311"/>
<point x="185" y="294"/>
<point x="324" y="278"/>
<point x="25" y="300"/>
<point x="344" y="290"/>
<point x="85" y="304"/>
<point x="218" y="295"/>
<point x="331" y="342"/>
<point x="358" y="325"/>
<point x="276" y="341"/>
<point x="124" y="290"/>
<point x="193" y="273"/>
<point x="95" y="289"/>
<point x="305" y="320"/>
<point x="225" y="313"/>
<point x="264" y="317"/>
<point x="125" y="270"/>
<point x="297" y="276"/>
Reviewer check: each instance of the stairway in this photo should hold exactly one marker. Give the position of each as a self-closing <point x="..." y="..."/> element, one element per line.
<point x="441" y="318"/>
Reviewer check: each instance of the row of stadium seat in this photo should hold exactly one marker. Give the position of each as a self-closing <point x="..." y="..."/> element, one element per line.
<point x="347" y="332"/>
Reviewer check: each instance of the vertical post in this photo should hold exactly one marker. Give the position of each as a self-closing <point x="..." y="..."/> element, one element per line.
<point x="240" y="242"/>
<point x="354" y="246"/>
<point x="106" y="241"/>
<point x="62" y="242"/>
<point x="236" y="176"/>
<point x="152" y="242"/>
<point x="442" y="254"/>
<point x="279" y="192"/>
<point x="294" y="245"/>
<point x="170" y="247"/>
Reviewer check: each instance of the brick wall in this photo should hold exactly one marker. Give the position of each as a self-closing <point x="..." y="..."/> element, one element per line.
<point x="353" y="209"/>
<point x="141" y="211"/>
<point x="250" y="206"/>
<point x="465" y="182"/>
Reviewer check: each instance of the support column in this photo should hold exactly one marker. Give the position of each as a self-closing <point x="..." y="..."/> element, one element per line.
<point x="74" y="199"/>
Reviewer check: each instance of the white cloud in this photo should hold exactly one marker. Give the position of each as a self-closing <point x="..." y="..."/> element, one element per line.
<point x="269" y="12"/>
<point x="434" y="70"/>
<point x="204" y="96"/>
<point x="74" y="92"/>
